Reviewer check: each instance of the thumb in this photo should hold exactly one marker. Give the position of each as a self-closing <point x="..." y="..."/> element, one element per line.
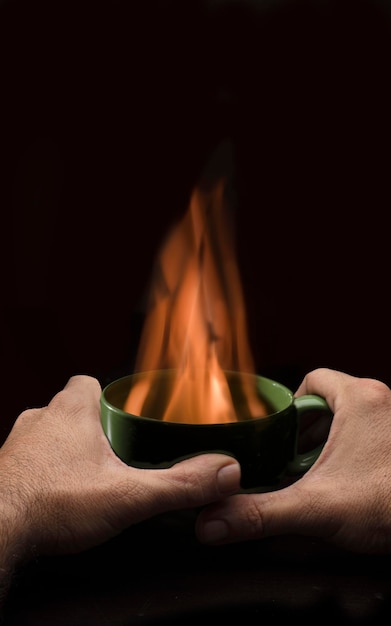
<point x="254" y="516"/>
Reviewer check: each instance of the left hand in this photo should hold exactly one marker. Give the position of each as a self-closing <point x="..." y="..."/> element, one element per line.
<point x="63" y="489"/>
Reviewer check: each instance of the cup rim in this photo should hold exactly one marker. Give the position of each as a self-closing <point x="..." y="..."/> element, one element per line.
<point x="169" y="424"/>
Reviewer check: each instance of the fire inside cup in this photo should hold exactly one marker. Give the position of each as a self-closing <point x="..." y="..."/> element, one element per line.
<point x="266" y="446"/>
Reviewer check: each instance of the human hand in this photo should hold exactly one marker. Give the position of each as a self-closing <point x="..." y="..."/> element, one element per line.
<point x="62" y="488"/>
<point x="345" y="497"/>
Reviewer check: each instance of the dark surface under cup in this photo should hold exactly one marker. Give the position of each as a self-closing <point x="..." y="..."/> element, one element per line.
<point x="266" y="447"/>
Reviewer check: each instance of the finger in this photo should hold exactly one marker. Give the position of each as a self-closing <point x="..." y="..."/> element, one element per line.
<point x="79" y="393"/>
<point x="255" y="516"/>
<point x="87" y="386"/>
<point x="191" y="483"/>
<point x="329" y="384"/>
<point x="208" y="476"/>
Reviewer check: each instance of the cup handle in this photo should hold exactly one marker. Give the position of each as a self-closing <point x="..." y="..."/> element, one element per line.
<point x="304" y="404"/>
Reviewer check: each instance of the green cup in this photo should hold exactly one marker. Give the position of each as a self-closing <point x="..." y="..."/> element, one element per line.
<point x="266" y="447"/>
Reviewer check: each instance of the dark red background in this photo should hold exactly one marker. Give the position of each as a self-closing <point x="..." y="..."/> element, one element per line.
<point x="110" y="111"/>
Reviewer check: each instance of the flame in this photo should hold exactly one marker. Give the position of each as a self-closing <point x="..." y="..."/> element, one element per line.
<point x="196" y="322"/>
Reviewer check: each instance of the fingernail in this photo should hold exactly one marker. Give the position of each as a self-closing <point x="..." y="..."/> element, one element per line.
<point x="228" y="478"/>
<point x="214" y="531"/>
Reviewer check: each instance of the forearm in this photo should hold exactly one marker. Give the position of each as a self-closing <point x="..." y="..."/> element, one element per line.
<point x="11" y="555"/>
<point x="7" y="569"/>
<point x="13" y="533"/>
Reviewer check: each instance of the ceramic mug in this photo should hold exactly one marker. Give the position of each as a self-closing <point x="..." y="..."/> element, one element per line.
<point x="266" y="447"/>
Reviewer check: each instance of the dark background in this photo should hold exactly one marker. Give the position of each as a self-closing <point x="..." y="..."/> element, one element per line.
<point x="109" y="113"/>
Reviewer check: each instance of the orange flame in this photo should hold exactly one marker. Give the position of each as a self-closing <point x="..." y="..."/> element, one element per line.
<point x="196" y="324"/>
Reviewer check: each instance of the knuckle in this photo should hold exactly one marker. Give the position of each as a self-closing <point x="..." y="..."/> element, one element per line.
<point x="376" y="391"/>
<point x="255" y="519"/>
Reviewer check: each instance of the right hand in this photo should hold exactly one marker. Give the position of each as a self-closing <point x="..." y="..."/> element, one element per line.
<point x="345" y="497"/>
